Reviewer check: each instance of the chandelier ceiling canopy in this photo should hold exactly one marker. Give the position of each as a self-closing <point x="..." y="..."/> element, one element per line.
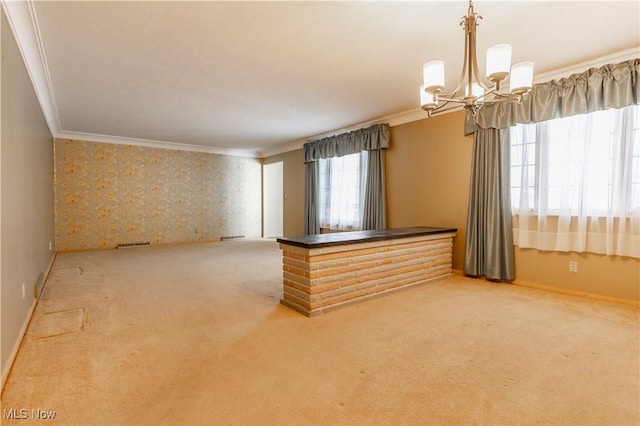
<point x="472" y="91"/>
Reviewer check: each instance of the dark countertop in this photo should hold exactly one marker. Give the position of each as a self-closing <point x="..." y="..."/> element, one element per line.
<point x="355" y="237"/>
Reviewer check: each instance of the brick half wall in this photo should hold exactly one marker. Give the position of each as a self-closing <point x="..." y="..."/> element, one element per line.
<point x="317" y="280"/>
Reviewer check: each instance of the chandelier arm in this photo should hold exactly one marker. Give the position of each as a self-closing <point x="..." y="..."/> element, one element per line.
<point x="508" y="96"/>
<point x="440" y="110"/>
<point x="488" y="92"/>
<point x="448" y="100"/>
<point x="505" y="98"/>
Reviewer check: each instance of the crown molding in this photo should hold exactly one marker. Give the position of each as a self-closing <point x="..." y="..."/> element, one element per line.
<point x="282" y="148"/>
<point x="90" y="137"/>
<point x="613" y="58"/>
<point x="23" y="21"/>
<point x="393" y="120"/>
<point x="419" y="114"/>
<point x="24" y="25"/>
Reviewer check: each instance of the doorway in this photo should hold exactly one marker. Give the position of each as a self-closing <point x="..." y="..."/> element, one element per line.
<point x="272" y="190"/>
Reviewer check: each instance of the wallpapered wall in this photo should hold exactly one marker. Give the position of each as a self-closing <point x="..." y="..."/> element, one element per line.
<point x="108" y="194"/>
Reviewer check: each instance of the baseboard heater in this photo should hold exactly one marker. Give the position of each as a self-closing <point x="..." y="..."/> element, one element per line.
<point x="128" y="245"/>
<point x="234" y="237"/>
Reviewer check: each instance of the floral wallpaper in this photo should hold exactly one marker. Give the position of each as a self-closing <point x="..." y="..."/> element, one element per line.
<point x="109" y="194"/>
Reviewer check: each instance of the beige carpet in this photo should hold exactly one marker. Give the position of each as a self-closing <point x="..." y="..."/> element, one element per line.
<point x="196" y="335"/>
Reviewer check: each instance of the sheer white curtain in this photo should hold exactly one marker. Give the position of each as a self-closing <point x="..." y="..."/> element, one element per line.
<point x="576" y="183"/>
<point x="342" y="184"/>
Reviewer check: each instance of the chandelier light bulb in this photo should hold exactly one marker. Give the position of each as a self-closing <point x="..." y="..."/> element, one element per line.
<point x="498" y="62"/>
<point x="521" y="78"/>
<point x="433" y="76"/>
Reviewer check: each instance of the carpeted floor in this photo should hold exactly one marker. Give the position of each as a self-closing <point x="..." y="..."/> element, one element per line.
<point x="196" y="335"/>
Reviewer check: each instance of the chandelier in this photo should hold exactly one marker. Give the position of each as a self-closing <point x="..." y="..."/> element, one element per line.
<point x="472" y="92"/>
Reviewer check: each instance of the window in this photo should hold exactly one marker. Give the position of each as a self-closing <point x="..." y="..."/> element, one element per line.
<point x="575" y="183"/>
<point x="523" y="165"/>
<point x="341" y="181"/>
<point x="581" y="165"/>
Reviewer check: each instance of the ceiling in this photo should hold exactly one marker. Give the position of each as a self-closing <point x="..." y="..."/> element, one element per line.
<point x="254" y="78"/>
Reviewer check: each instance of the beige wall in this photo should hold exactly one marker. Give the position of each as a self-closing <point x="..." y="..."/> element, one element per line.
<point x="26" y="195"/>
<point x="428" y="169"/>
<point x="108" y="194"/>
<point x="428" y="166"/>
<point x="611" y="276"/>
<point x="293" y="181"/>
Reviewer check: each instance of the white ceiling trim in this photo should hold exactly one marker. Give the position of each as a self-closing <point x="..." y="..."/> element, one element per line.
<point x="90" y="137"/>
<point x="393" y="120"/>
<point x="23" y="21"/>
<point x="122" y="140"/>
<point x="24" y="25"/>
<point x="614" y="58"/>
<point x="419" y="114"/>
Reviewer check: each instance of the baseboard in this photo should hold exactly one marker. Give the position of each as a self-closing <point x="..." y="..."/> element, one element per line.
<point x="16" y="347"/>
<point x="82" y="250"/>
<point x="48" y="271"/>
<point x="185" y="243"/>
<point x="178" y="243"/>
<point x="576" y="293"/>
<point x="6" y="369"/>
<point x="565" y="291"/>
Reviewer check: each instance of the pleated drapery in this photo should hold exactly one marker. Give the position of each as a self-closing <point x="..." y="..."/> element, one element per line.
<point x="489" y="243"/>
<point x="367" y="139"/>
<point x="311" y="213"/>
<point x="611" y="86"/>
<point x="375" y="140"/>
<point x="489" y="246"/>
<point x="374" y="215"/>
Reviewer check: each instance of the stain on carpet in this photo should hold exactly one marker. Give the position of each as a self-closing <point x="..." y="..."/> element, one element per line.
<point x="60" y="323"/>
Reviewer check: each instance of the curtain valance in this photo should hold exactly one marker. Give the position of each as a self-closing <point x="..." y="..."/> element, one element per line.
<point x="611" y="86"/>
<point x="368" y="139"/>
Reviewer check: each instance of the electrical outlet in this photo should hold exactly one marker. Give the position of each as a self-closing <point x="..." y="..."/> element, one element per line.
<point x="50" y="246"/>
<point x="573" y="266"/>
<point x="24" y="293"/>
